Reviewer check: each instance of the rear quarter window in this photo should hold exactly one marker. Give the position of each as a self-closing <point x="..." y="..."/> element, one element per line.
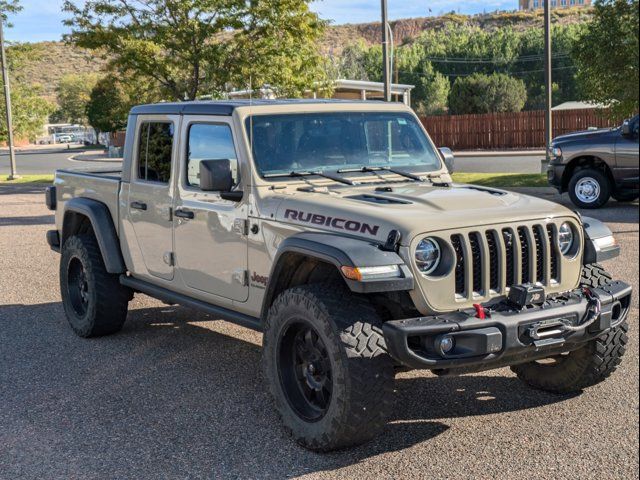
<point x="155" y="150"/>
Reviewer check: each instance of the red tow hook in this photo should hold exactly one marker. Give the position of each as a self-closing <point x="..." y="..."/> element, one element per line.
<point x="480" y="312"/>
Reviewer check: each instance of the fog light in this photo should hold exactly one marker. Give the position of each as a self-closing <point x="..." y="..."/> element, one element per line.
<point x="445" y="344"/>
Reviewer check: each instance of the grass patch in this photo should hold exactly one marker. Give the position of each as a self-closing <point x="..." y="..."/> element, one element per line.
<point x="502" y="180"/>
<point x="26" y="179"/>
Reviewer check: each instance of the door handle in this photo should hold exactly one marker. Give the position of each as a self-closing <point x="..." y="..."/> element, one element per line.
<point x="139" y="206"/>
<point x="188" y="214"/>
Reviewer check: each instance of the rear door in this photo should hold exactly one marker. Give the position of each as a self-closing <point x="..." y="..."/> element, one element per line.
<point x="211" y="246"/>
<point x="151" y="194"/>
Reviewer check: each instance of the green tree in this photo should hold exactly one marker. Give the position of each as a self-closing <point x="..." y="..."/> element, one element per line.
<point x="30" y="112"/>
<point x="607" y="56"/>
<point x="189" y="48"/>
<point x="7" y="7"/>
<point x="111" y="100"/>
<point x="432" y="93"/>
<point x="278" y="45"/>
<point x="480" y="93"/>
<point x="73" y="93"/>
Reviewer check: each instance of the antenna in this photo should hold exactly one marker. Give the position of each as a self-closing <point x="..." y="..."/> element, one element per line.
<point x="251" y="113"/>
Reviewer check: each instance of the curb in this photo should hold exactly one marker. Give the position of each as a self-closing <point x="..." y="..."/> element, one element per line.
<point x="96" y="158"/>
<point x="485" y="153"/>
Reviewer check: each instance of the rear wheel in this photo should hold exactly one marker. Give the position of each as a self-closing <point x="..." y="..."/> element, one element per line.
<point x="327" y="367"/>
<point x="94" y="301"/>
<point x="587" y="366"/>
<point x="589" y="188"/>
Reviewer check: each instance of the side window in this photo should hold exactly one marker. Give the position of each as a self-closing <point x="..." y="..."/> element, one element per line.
<point x="208" y="141"/>
<point x="155" y="147"/>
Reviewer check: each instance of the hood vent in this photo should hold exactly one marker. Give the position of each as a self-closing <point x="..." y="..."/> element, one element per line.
<point x="379" y="200"/>
<point x="496" y="193"/>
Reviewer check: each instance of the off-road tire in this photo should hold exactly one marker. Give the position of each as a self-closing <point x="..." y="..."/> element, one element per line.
<point x="362" y="371"/>
<point x="599" y="177"/>
<point x="624" y="197"/>
<point x="105" y="309"/>
<point x="587" y="366"/>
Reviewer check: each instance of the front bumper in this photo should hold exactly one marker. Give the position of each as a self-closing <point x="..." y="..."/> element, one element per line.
<point x="555" y="175"/>
<point x="508" y="335"/>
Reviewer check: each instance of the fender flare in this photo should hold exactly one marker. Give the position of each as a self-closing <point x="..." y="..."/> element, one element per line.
<point x="594" y="253"/>
<point x="340" y="251"/>
<point x="103" y="228"/>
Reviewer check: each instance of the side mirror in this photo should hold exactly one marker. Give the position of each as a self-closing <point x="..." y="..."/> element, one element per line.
<point x="626" y="128"/>
<point x="449" y="158"/>
<point x="216" y="176"/>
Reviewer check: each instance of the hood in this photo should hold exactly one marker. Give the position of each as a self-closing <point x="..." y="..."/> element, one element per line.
<point x="583" y="135"/>
<point x="413" y="210"/>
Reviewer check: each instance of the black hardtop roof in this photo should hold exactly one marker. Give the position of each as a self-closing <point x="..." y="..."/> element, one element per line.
<point x="221" y="107"/>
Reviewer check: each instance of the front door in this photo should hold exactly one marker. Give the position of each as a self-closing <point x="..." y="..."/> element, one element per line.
<point x="150" y="193"/>
<point x="211" y="247"/>
<point x="627" y="151"/>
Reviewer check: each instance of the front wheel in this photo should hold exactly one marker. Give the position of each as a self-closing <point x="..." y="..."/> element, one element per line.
<point x="589" y="188"/>
<point x="587" y="366"/>
<point x="327" y="367"/>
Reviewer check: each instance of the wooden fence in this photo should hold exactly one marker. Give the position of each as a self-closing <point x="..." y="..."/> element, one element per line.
<point x="496" y="131"/>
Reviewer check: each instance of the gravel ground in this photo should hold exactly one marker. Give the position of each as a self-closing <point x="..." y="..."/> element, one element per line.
<point x="177" y="395"/>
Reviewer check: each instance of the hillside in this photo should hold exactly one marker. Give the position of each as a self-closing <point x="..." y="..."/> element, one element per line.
<point x="406" y="30"/>
<point x="57" y="59"/>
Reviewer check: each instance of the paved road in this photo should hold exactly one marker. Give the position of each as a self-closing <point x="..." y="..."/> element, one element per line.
<point x="469" y="163"/>
<point x="39" y="161"/>
<point x="178" y="395"/>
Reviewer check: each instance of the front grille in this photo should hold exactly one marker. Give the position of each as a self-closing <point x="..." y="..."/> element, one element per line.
<point x="508" y="238"/>
<point x="526" y="254"/>
<point x="555" y="277"/>
<point x="456" y="241"/>
<point x="537" y="236"/>
<point x="494" y="273"/>
<point x="476" y="255"/>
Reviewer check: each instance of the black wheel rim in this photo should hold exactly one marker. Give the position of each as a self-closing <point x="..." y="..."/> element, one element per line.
<point x="78" y="287"/>
<point x="305" y="370"/>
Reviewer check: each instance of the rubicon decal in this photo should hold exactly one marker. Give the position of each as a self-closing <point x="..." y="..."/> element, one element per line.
<point x="333" y="222"/>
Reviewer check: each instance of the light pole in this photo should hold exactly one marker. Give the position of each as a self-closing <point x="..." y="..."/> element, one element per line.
<point x="385" y="52"/>
<point x="7" y="101"/>
<point x="548" y="80"/>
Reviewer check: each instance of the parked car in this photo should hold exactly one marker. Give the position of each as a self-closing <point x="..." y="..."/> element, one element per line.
<point x="335" y="229"/>
<point x="64" y="138"/>
<point x="595" y="165"/>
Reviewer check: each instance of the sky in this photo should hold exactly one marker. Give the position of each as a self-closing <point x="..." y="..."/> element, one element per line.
<point x="42" y="19"/>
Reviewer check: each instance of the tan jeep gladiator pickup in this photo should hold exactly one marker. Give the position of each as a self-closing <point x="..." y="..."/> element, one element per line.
<point x="335" y="229"/>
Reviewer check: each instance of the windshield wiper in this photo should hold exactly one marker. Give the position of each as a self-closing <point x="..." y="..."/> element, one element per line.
<point x="329" y="176"/>
<point x="402" y="173"/>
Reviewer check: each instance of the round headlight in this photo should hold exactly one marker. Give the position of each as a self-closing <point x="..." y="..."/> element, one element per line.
<point x="428" y="256"/>
<point x="565" y="238"/>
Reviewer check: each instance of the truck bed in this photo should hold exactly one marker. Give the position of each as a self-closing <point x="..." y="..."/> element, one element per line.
<point x="102" y="185"/>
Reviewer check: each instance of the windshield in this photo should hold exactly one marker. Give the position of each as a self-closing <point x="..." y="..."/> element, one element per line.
<point x="339" y="141"/>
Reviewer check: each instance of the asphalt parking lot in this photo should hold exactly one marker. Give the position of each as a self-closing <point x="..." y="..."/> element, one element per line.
<point x="179" y="395"/>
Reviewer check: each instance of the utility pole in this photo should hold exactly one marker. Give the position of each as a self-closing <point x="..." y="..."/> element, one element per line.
<point x="385" y="52"/>
<point x="548" y="80"/>
<point x="7" y="101"/>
